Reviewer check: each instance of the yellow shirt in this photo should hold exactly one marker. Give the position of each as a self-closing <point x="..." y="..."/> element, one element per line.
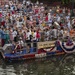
<point x="43" y="24"/>
<point x="25" y="18"/>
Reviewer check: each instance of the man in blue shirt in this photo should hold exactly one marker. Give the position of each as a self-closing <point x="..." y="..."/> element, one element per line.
<point x="2" y="37"/>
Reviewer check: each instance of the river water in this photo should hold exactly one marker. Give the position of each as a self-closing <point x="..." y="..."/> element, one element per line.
<point x="55" y="65"/>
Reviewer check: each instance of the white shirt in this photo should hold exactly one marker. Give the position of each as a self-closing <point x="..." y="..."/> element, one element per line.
<point x="12" y="8"/>
<point x="14" y="33"/>
<point x="49" y="16"/>
<point x="55" y="32"/>
<point x="67" y="18"/>
<point x="34" y="36"/>
<point x="21" y="42"/>
<point x="6" y="6"/>
<point x="28" y="35"/>
<point x="31" y="18"/>
<point x="58" y="18"/>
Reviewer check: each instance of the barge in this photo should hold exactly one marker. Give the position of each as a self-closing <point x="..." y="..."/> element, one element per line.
<point x="44" y="49"/>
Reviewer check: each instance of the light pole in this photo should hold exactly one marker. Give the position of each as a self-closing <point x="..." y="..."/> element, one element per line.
<point x="72" y="7"/>
<point x="72" y="4"/>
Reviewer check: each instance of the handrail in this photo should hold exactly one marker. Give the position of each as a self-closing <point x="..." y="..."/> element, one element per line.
<point x="38" y="45"/>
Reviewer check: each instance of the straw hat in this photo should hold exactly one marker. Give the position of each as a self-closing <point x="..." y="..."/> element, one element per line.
<point x="36" y="6"/>
<point x="20" y="38"/>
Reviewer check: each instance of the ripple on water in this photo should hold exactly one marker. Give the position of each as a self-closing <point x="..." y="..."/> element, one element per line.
<point x="73" y="72"/>
<point x="10" y="73"/>
<point x="50" y="66"/>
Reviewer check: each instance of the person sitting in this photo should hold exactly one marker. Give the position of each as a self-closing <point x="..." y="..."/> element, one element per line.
<point x="13" y="46"/>
<point x="21" y="42"/>
<point x="17" y="47"/>
<point x="69" y="42"/>
<point x="28" y="48"/>
<point x="72" y="33"/>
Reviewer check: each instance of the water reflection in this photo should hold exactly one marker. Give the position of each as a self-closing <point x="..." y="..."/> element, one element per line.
<point x="60" y="65"/>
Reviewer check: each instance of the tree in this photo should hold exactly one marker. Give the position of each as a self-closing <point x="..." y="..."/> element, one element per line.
<point x="65" y="1"/>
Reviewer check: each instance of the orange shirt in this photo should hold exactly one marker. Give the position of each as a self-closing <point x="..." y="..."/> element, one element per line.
<point x="25" y="18"/>
<point x="72" y="33"/>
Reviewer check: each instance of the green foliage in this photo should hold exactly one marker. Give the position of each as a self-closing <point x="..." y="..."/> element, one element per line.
<point x="65" y="1"/>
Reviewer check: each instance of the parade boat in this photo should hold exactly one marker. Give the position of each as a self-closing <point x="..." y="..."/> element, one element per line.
<point x="44" y="49"/>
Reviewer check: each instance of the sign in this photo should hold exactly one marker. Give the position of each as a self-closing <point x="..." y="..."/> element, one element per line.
<point x="46" y="44"/>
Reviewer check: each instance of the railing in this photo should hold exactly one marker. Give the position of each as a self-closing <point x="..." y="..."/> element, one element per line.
<point x="9" y="48"/>
<point x="51" y="38"/>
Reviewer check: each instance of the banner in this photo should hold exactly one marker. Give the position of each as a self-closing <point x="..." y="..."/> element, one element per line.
<point x="46" y="44"/>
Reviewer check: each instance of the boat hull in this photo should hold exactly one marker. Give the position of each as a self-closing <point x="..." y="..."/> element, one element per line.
<point x="58" y="49"/>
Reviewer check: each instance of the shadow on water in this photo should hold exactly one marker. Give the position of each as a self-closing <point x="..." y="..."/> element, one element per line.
<point x="55" y="65"/>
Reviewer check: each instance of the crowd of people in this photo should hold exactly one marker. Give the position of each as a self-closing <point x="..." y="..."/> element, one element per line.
<point x="26" y="22"/>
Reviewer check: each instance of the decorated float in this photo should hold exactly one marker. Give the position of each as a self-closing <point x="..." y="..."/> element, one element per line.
<point x="44" y="49"/>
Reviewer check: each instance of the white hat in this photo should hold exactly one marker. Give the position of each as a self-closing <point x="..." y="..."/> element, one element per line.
<point x="42" y="7"/>
<point x="36" y="6"/>
<point x="30" y="12"/>
<point x="20" y="37"/>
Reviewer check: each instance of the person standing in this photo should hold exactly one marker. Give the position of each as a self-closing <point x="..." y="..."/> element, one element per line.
<point x="34" y="40"/>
